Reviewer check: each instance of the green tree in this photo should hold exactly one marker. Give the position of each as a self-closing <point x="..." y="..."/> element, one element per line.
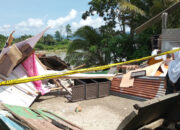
<point x="58" y="36"/>
<point x="86" y="48"/>
<point x="49" y="40"/>
<point x="160" y="5"/>
<point x="68" y="31"/>
<point x="3" y="40"/>
<point x="114" y="12"/>
<point x="21" y="38"/>
<point x="131" y="14"/>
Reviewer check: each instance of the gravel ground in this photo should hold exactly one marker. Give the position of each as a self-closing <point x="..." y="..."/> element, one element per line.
<point x="97" y="114"/>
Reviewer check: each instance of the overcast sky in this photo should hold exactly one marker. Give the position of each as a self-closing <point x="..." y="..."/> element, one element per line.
<point x="32" y="16"/>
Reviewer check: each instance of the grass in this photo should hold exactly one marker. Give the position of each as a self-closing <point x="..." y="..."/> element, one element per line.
<point x="58" y="46"/>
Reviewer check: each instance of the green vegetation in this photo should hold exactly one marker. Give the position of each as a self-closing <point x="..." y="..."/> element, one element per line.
<point x="68" y="31"/>
<point x="47" y="42"/>
<point x="86" y="48"/>
<point x="2" y="41"/>
<point x="113" y="42"/>
<point x="61" y="45"/>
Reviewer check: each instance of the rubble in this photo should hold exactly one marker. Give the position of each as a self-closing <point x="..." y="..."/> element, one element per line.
<point x="20" y="61"/>
<point x="53" y="62"/>
<point x="22" y="118"/>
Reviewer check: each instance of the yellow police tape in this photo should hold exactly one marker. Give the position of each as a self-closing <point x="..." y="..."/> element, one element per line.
<point x="57" y="75"/>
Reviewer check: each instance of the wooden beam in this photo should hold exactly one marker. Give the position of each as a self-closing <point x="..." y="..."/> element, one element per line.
<point x="78" y="67"/>
<point x="10" y="39"/>
<point x="156" y="18"/>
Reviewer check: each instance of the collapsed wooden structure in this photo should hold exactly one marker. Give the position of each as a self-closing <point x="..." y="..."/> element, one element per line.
<point x="11" y="59"/>
<point x="53" y="62"/>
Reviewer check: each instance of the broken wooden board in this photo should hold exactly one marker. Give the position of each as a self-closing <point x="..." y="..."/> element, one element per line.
<point x="39" y="119"/>
<point x="148" y="111"/>
<point x="12" y="56"/>
<point x="10" y="60"/>
<point x="19" y="94"/>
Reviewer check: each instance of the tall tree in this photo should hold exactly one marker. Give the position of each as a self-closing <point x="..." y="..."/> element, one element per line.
<point x="114" y="12"/>
<point x="68" y="30"/>
<point x="49" y="40"/>
<point x="58" y="36"/>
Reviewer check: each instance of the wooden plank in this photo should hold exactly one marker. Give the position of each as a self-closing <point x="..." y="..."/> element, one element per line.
<point x="39" y="119"/>
<point x="32" y="119"/>
<point x="10" y="39"/>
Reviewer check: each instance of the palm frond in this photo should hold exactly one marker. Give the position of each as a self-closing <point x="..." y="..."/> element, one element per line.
<point x="88" y="33"/>
<point x="125" y="5"/>
<point x="78" y="44"/>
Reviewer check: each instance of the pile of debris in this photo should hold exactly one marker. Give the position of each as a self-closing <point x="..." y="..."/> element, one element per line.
<point x="22" y="118"/>
<point x="53" y="62"/>
<point x="145" y="83"/>
<point x="20" y="61"/>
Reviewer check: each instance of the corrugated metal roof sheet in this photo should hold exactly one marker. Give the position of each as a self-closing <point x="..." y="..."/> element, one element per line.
<point x="145" y="87"/>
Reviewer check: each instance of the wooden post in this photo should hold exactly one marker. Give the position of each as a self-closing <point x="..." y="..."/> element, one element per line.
<point x="164" y="20"/>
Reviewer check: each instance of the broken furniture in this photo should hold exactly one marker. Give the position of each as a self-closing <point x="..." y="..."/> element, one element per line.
<point x="85" y="89"/>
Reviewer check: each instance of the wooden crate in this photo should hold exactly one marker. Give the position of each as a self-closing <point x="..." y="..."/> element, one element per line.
<point x="91" y="88"/>
<point x="103" y="87"/>
<point x="78" y="91"/>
